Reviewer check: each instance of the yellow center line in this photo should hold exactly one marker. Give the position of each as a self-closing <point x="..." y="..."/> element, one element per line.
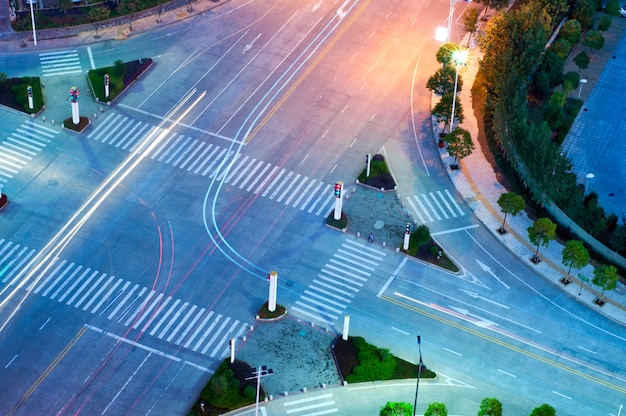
<point x="48" y="370"/>
<point x="310" y="68"/>
<point x="507" y="345"/>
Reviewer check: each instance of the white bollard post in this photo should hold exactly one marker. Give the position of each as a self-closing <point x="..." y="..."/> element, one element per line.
<point x="232" y="350"/>
<point x="407" y="236"/>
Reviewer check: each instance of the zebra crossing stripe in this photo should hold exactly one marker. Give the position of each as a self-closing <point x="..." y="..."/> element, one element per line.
<point x="273" y="183"/>
<point x="18" y="266"/>
<point x="320" y="312"/>
<point x="310" y="194"/>
<point x="258" y="177"/>
<point x="297" y="190"/>
<point x="207" y="332"/>
<point x="321" y="194"/>
<point x="214" y="337"/>
<point x="190" y="326"/>
<point x="162" y="306"/>
<point x="454" y="202"/>
<point x="291" y="184"/>
<point x="123" y="302"/>
<point x="328" y="279"/>
<point x="199" y="329"/>
<point x="176" y="315"/>
<point x="200" y="158"/>
<point x="360" y="259"/>
<point x="236" y="168"/>
<point x="102" y="287"/>
<point x="163" y="146"/>
<point x="243" y="172"/>
<point x="218" y="157"/>
<point x="181" y="323"/>
<point x="357" y="262"/>
<point x="116" y="126"/>
<point x="224" y="167"/>
<point x="282" y="184"/>
<point x="185" y="150"/>
<point x="438" y="204"/>
<point x="335" y="289"/>
<point x="146" y="312"/>
<point x="50" y="276"/>
<point x="324" y="298"/>
<point x="106" y="296"/>
<point x="115" y="298"/>
<point x="91" y="288"/>
<point x="128" y="308"/>
<point x="140" y="308"/>
<point x="345" y="278"/>
<point x="45" y="293"/>
<point x="192" y="154"/>
<point x="443" y="199"/>
<point x="326" y="294"/>
<point x="266" y="179"/>
<point x="343" y="268"/>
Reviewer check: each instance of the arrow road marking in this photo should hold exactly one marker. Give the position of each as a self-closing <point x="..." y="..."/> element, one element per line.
<point x="477" y="296"/>
<point x="251" y="44"/>
<point x="317" y="5"/>
<point x="481" y="322"/>
<point x="488" y="270"/>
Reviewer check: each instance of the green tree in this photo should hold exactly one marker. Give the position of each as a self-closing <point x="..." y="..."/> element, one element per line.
<point x="574" y="255"/>
<point x="442" y="82"/>
<point x="3" y="78"/>
<point x="618" y="238"/>
<point x="397" y="409"/>
<point x="494" y="4"/>
<point x="605" y="277"/>
<point x="470" y="22"/>
<point x="443" y="110"/>
<point x="593" y="39"/>
<point x="420" y="236"/>
<point x="553" y="113"/>
<point x="119" y="68"/>
<point x="612" y="8"/>
<point x="98" y="13"/>
<point x="540" y="234"/>
<point x="571" y="31"/>
<point x="490" y="407"/>
<point x="583" y="11"/>
<point x="444" y="54"/>
<point x="604" y="23"/>
<point x="582" y="60"/>
<point x="510" y="203"/>
<point x="543" y="410"/>
<point x="562" y="47"/>
<point x="65" y="5"/>
<point x="460" y="144"/>
<point x="436" y="409"/>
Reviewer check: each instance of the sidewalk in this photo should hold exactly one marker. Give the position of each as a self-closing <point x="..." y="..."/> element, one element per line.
<point x="478" y="183"/>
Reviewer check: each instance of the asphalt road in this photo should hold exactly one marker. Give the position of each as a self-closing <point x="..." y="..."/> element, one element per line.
<point x="132" y="253"/>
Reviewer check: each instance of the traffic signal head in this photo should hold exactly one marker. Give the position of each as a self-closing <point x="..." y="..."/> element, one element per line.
<point x="29" y="91"/>
<point x="407" y="230"/>
<point x="338" y="190"/>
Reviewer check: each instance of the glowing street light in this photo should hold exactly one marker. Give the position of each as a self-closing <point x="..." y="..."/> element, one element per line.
<point x="460" y="58"/>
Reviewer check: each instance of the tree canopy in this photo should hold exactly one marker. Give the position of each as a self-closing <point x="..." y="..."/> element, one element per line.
<point x="436" y="409"/>
<point x="490" y="407"/>
<point x="541" y="233"/>
<point x="574" y="255"/>
<point x="460" y="143"/>
<point x="511" y="203"/>
<point x="397" y="409"/>
<point x="605" y="277"/>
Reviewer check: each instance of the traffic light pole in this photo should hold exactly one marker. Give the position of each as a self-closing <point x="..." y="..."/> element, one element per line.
<point x="273" y="283"/>
<point x="338" y="200"/>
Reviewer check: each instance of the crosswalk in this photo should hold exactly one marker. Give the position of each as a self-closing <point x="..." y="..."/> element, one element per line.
<point x="322" y="404"/>
<point x="60" y="63"/>
<point x="342" y="277"/>
<point x="140" y="308"/>
<point x="435" y="206"/>
<point x="21" y="146"/>
<point x="199" y="157"/>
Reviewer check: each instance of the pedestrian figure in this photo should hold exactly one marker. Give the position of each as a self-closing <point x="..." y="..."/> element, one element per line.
<point x="371" y="238"/>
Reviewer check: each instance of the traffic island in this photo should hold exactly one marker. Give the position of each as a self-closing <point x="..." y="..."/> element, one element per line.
<point x="83" y="123"/>
<point x="340" y="224"/>
<point x="266" y="315"/>
<point x="3" y="200"/>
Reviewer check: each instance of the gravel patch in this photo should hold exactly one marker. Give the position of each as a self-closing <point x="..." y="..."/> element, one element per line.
<point x="298" y="353"/>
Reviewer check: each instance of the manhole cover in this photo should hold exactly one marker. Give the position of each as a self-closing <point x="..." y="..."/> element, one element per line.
<point x="302" y="333"/>
<point x="379" y="224"/>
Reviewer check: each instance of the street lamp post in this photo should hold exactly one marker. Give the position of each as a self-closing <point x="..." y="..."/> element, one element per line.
<point x="419" y="373"/>
<point x="32" y="19"/>
<point x="580" y="88"/>
<point x="258" y="373"/>
<point x="460" y="58"/>
<point x="588" y="176"/>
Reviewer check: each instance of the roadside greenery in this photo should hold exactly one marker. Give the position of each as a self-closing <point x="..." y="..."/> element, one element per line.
<point x="526" y="110"/>
<point x="13" y="93"/>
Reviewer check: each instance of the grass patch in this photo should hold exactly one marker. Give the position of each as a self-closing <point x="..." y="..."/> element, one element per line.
<point x="359" y="362"/>
<point x="380" y="177"/>
<point x="13" y="94"/>
<point x="118" y="80"/>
